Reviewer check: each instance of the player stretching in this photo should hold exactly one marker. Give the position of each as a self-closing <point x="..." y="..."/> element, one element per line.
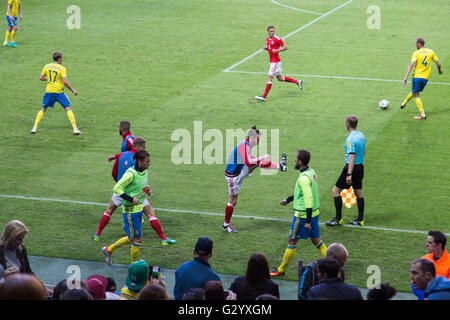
<point x="240" y="165"/>
<point x="131" y="189"/>
<point x="422" y="59"/>
<point x="12" y="8"/>
<point x="274" y="45"/>
<point x="124" y="161"/>
<point x="305" y="223"/>
<point x="56" y="77"/>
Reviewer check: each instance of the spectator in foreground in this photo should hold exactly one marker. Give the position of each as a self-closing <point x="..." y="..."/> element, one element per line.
<point x="331" y="287"/>
<point x="76" y="294"/>
<point x="385" y="292"/>
<point x="214" y="291"/>
<point x="256" y="280"/>
<point x="156" y="290"/>
<point x="423" y="276"/>
<point x="61" y="287"/>
<point x="137" y="279"/>
<point x="436" y="253"/>
<point x="195" y="273"/>
<point x="22" y="286"/>
<point x="194" y="294"/>
<point x="266" y="296"/>
<point x="13" y="254"/>
<point x="97" y="288"/>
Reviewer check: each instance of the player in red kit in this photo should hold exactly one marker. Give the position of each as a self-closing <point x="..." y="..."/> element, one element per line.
<point x="274" y="45"/>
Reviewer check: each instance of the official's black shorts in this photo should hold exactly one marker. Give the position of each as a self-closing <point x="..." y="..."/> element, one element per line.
<point x="357" y="177"/>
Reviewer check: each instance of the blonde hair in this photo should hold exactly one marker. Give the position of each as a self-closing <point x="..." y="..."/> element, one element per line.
<point x="12" y="231"/>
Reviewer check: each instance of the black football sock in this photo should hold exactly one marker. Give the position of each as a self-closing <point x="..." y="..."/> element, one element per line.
<point x="360" y="202"/>
<point x="338" y="206"/>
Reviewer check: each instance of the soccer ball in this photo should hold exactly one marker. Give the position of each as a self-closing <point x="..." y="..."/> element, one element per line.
<point x="384" y="104"/>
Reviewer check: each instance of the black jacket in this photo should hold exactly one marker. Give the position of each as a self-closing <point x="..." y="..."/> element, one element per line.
<point x="244" y="293"/>
<point x="21" y="252"/>
<point x="334" y="289"/>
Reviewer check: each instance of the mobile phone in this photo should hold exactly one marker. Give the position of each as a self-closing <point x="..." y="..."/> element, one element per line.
<point x="155" y="272"/>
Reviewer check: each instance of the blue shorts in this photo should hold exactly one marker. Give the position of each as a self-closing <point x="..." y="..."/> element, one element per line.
<point x="11" y="23"/>
<point x="50" y="99"/>
<point x="298" y="230"/>
<point x="132" y="223"/>
<point x="418" y="84"/>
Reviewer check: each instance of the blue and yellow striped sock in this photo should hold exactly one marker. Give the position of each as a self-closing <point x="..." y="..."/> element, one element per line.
<point x="322" y="249"/>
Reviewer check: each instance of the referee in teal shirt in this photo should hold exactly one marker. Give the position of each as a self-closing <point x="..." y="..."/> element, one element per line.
<point x="352" y="174"/>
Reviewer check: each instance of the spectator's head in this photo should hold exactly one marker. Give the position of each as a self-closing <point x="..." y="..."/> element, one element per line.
<point x="328" y="268"/>
<point x="153" y="292"/>
<point x="111" y="285"/>
<point x="384" y="292"/>
<point x="266" y="296"/>
<point x="13" y="234"/>
<point x="139" y="143"/>
<point x="257" y="271"/>
<point x="351" y="122"/>
<point x="422" y="272"/>
<point x="62" y="287"/>
<point x="214" y="291"/>
<point x="339" y="252"/>
<point x="137" y="275"/>
<point x="124" y="127"/>
<point x="194" y="294"/>
<point x="203" y="248"/>
<point x="436" y="242"/>
<point x="22" y="286"/>
<point x="77" y="294"/>
<point x="97" y="287"/>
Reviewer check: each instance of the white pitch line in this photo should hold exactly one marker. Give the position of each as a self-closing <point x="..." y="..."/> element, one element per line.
<point x="335" y="77"/>
<point x="297" y="9"/>
<point x="207" y="213"/>
<point x="290" y="34"/>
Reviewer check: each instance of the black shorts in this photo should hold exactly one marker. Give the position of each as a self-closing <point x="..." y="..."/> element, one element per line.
<point x="357" y="177"/>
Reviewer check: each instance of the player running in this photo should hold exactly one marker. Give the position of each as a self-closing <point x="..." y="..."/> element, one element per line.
<point x="124" y="161"/>
<point x="56" y="77"/>
<point x="240" y="165"/>
<point x="12" y="9"/>
<point x="422" y="59"/>
<point x="274" y="45"/>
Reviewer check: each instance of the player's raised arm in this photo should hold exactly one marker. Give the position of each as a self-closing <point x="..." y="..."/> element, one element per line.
<point x="67" y="84"/>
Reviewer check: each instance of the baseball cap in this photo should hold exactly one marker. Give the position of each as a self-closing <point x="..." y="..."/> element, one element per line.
<point x="204" y="246"/>
<point x="137" y="275"/>
<point x="96" y="286"/>
<point x="101" y="278"/>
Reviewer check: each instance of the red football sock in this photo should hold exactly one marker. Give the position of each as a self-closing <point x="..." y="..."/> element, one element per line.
<point x="287" y="79"/>
<point x="103" y="222"/>
<point x="228" y="213"/>
<point x="154" y="222"/>
<point x="266" y="92"/>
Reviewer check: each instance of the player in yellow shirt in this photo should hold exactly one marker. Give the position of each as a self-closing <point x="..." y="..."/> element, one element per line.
<point x="12" y="9"/>
<point x="56" y="77"/>
<point x="422" y="59"/>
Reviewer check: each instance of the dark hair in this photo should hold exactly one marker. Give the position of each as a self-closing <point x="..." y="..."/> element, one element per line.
<point x="139" y="141"/>
<point x="194" y="294"/>
<point x="141" y="155"/>
<point x="57" y="55"/>
<point x="438" y="237"/>
<point x="214" y="291"/>
<point x="77" y="294"/>
<point x="352" y="120"/>
<point x="385" y="292"/>
<point x="257" y="271"/>
<point x="330" y="266"/>
<point x="421" y="41"/>
<point x="270" y="27"/>
<point x="125" y="125"/>
<point x="153" y="292"/>
<point x="304" y="156"/>
<point x="426" y="266"/>
<point x="111" y="286"/>
<point x="252" y="132"/>
<point x="266" y="296"/>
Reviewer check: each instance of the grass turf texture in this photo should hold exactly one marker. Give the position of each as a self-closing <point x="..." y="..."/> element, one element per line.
<point x="160" y="65"/>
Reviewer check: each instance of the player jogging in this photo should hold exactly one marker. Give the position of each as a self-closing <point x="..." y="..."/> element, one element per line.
<point x="131" y="188"/>
<point x="305" y="223"/>
<point x="12" y="9"/>
<point x="274" y="45"/>
<point x="422" y="59"/>
<point x="240" y="165"/>
<point x="56" y="77"/>
<point x="124" y="161"/>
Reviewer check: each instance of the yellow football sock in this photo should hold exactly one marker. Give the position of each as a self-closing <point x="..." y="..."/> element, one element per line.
<point x="322" y="249"/>
<point x="39" y="117"/>
<point x="8" y="33"/>
<point x="13" y="36"/>
<point x="420" y="106"/>
<point x="119" y="243"/>
<point x="135" y="252"/>
<point x="408" y="97"/>
<point x="289" y="255"/>
<point x="71" y="117"/>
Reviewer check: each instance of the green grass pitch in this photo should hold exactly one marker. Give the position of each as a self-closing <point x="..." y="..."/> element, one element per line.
<point x="159" y="64"/>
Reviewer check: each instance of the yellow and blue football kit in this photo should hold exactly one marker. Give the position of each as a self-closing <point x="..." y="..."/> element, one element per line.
<point x="15" y="4"/>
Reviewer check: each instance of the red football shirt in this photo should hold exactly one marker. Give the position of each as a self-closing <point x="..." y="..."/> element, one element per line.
<point x="274" y="43"/>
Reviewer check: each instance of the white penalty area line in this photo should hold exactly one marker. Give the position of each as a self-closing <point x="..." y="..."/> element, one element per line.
<point x="207" y="213"/>
<point x="290" y="34"/>
<point x="335" y="77"/>
<point x="293" y="8"/>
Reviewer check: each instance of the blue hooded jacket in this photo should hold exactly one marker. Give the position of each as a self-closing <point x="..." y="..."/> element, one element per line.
<point x="438" y="289"/>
